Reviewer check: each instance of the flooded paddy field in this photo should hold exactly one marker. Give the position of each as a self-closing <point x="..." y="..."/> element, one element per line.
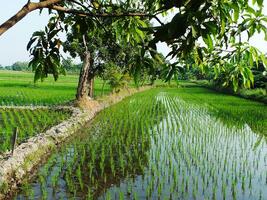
<point x="185" y="143"/>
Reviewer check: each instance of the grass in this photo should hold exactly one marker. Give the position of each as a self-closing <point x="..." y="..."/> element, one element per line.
<point x="255" y="94"/>
<point x="28" y="122"/>
<point x="17" y="88"/>
<point x="258" y="94"/>
<point x="161" y="144"/>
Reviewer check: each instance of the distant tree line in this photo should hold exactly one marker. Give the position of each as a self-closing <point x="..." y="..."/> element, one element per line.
<point x="17" y="66"/>
<point x="192" y="73"/>
<point x="68" y="64"/>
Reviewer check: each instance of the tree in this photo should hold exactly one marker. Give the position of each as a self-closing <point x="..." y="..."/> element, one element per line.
<point x="69" y="13"/>
<point x="142" y="67"/>
<point x="78" y="8"/>
<point x="101" y="45"/>
<point x="219" y="24"/>
<point x="70" y="66"/>
<point x="20" y="66"/>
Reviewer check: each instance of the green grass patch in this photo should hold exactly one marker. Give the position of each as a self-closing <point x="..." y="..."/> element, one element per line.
<point x="18" y="88"/>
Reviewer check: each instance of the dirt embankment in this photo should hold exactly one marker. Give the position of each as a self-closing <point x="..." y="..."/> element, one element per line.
<point x="13" y="169"/>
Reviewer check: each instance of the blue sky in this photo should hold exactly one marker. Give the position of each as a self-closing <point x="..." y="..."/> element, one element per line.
<point x="13" y="43"/>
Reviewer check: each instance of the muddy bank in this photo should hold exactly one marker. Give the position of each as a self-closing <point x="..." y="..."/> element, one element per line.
<point x="28" y="155"/>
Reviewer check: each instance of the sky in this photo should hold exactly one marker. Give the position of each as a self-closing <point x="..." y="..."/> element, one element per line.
<point x="13" y="42"/>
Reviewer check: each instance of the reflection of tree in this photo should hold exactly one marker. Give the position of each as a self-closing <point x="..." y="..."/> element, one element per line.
<point x="261" y="138"/>
<point x="239" y="117"/>
<point x="232" y="111"/>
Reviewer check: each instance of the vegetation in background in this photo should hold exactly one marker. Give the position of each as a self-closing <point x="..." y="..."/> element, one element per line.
<point x="260" y="76"/>
<point x="217" y="80"/>
<point x="67" y="63"/>
<point x="18" y="66"/>
<point x="70" y="66"/>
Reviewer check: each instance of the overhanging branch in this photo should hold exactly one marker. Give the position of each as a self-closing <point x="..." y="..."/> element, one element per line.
<point x="26" y="9"/>
<point x="52" y="4"/>
<point x="90" y="14"/>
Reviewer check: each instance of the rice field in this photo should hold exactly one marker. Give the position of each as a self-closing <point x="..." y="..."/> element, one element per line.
<point x="29" y="123"/>
<point x="18" y="89"/>
<point x="161" y="144"/>
<point x="231" y="110"/>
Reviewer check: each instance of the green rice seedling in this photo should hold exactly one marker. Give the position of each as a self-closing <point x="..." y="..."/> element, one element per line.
<point x="27" y="190"/>
<point x="165" y="143"/>
<point x="79" y="176"/>
<point x="25" y="121"/>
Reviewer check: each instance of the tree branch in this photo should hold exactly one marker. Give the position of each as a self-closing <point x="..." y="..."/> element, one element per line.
<point x="26" y="9"/>
<point x="90" y="14"/>
<point x="85" y="44"/>
<point x="51" y="4"/>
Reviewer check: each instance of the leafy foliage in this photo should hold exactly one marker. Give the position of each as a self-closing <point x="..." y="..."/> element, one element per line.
<point x="117" y="79"/>
<point x="143" y="67"/>
<point x="70" y="66"/>
<point x="260" y="76"/>
<point x="45" y="52"/>
<point x="209" y="31"/>
<point x="212" y="33"/>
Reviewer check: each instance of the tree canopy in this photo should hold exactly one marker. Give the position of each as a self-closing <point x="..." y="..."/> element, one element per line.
<point x="212" y="32"/>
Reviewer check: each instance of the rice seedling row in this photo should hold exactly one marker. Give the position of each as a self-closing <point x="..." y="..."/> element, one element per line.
<point x="28" y="122"/>
<point x="155" y="145"/>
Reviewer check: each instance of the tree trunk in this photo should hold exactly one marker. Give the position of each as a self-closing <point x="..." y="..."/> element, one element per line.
<point x="91" y="86"/>
<point x="83" y="85"/>
<point x="90" y="79"/>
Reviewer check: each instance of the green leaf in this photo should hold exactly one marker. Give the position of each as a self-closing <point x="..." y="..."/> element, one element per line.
<point x="236" y="11"/>
<point x="222" y="26"/>
<point x="251" y="10"/>
<point x="265" y="34"/>
<point x="264" y="60"/>
<point x="260" y="2"/>
<point x="38" y="33"/>
<point x="208" y="41"/>
<point x="255" y="55"/>
<point x="211" y="26"/>
<point x="251" y="62"/>
<point x="194" y="32"/>
<point x="32" y="40"/>
<point x="235" y="83"/>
